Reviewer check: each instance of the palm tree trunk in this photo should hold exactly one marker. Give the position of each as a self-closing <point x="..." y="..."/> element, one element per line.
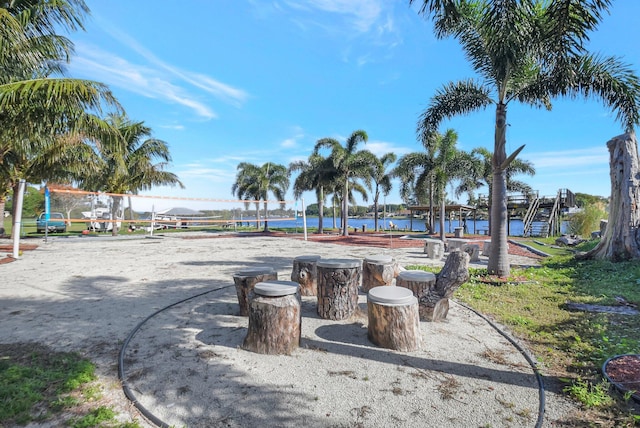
<point x="266" y="217"/>
<point x="442" y="215"/>
<point x="115" y="207"/>
<point x="499" y="256"/>
<point x="257" y="215"/>
<point x="375" y="214"/>
<point x="320" y="209"/>
<point x="432" y="222"/>
<point x="345" y="208"/>
<point x="333" y="205"/>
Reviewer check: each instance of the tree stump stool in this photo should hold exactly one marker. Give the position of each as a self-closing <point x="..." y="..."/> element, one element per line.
<point x="473" y="250"/>
<point x="275" y="318"/>
<point x="420" y="283"/>
<point x="338" y="282"/>
<point x="377" y="271"/>
<point x="394" y="322"/>
<point x="305" y="273"/>
<point x="486" y="247"/>
<point x="246" y="279"/>
<point x="434" y="248"/>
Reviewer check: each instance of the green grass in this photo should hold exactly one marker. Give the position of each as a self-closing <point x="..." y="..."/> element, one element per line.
<point x="39" y="385"/>
<point x="572" y="346"/>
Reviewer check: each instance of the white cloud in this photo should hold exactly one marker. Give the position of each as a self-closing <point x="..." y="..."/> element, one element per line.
<point x="570" y="158"/>
<point x="380" y="148"/>
<point x="363" y="13"/>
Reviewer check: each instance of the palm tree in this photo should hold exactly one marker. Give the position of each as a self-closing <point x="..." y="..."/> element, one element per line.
<point x="526" y="51"/>
<point x="481" y="175"/>
<point x="255" y="182"/>
<point x="127" y="162"/>
<point x="350" y="163"/>
<point x="315" y="174"/>
<point x="381" y="179"/>
<point x="34" y="106"/>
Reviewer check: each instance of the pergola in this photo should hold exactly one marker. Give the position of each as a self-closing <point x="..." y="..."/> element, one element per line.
<point x="463" y="212"/>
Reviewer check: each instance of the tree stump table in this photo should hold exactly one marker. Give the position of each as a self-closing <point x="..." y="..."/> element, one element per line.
<point x="246" y="279"/>
<point x="394" y="322"/>
<point x="275" y="318"/>
<point x="305" y="273"/>
<point x="377" y="271"/>
<point x="338" y="282"/>
<point x="434" y="248"/>
<point x="434" y="305"/>
<point x="420" y="283"/>
<point x="454" y="244"/>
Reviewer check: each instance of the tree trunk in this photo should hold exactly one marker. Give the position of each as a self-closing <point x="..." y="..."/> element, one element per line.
<point x="345" y="208"/>
<point x="442" y="214"/>
<point x="375" y="215"/>
<point x="258" y="215"/>
<point x="338" y="284"/>
<point x="499" y="257"/>
<point x="434" y="304"/>
<point x="377" y="271"/>
<point x="115" y="207"/>
<point x="305" y="273"/>
<point x="621" y="240"/>
<point x="320" y="209"/>
<point x="266" y="217"/>
<point x="432" y="222"/>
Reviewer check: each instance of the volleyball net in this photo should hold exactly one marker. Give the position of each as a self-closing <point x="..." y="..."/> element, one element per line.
<point x="100" y="211"/>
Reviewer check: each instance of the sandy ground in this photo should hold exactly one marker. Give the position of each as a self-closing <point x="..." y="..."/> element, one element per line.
<point x="185" y="364"/>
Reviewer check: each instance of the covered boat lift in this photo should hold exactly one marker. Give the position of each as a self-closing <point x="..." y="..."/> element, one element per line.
<point x="463" y="212"/>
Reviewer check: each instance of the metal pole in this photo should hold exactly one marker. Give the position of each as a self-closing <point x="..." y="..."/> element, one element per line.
<point x="17" y="221"/>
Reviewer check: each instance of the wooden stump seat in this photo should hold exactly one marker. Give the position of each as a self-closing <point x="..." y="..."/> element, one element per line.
<point x="377" y="271"/>
<point x="305" y="273"/>
<point x="486" y="247"/>
<point x="473" y="250"/>
<point x="394" y="322"/>
<point x="246" y="279"/>
<point x="434" y="248"/>
<point x="420" y="283"/>
<point x="275" y="318"/>
<point x="338" y="282"/>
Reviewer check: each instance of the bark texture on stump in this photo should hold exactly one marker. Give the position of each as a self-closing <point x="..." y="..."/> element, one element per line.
<point x="434" y="305"/>
<point x="394" y="326"/>
<point x="304" y="272"/>
<point x="621" y="239"/>
<point x="245" y="281"/>
<point x="377" y="271"/>
<point x="274" y="325"/>
<point x="420" y="283"/>
<point x="338" y="283"/>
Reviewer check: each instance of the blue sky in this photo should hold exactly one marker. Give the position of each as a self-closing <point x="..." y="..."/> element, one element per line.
<point x="253" y="80"/>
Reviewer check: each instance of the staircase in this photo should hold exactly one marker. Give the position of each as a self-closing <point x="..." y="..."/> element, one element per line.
<point x="529" y="217"/>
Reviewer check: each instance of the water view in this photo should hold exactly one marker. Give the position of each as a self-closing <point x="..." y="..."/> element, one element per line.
<point x="417" y="225"/>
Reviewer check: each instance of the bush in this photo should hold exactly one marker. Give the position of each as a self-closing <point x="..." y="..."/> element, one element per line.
<point x="588" y="220"/>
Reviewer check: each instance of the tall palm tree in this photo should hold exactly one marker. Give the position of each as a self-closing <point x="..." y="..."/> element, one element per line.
<point x="350" y="163"/>
<point x="316" y="174"/>
<point x="481" y="175"/>
<point x="526" y="51"/>
<point x="257" y="182"/>
<point x="33" y="105"/>
<point x="381" y="179"/>
<point x="127" y="162"/>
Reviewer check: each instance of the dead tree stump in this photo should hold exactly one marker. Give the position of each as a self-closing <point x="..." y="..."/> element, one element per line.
<point x="394" y="322"/>
<point x="275" y="319"/>
<point x="420" y="283"/>
<point x="377" y="271"/>
<point x="246" y="279"/>
<point x="338" y="282"/>
<point x="305" y="273"/>
<point x="434" y="305"/>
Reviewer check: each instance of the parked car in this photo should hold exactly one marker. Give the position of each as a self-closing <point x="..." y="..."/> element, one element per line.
<point x="56" y="223"/>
